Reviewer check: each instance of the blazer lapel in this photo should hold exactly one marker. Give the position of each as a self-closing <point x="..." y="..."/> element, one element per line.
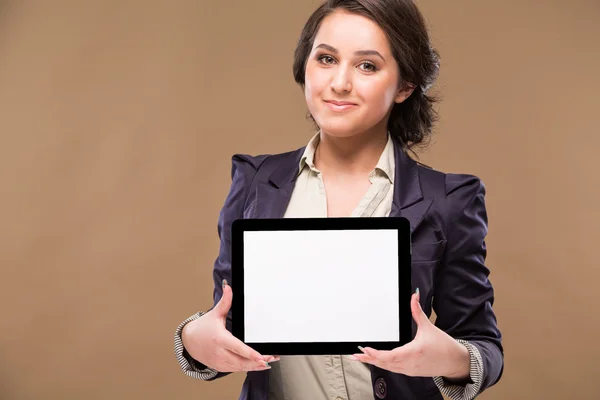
<point x="272" y="201"/>
<point x="272" y="197"/>
<point x="408" y="197"/>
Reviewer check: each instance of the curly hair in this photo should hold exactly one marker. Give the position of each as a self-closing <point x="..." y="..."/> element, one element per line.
<point x="411" y="121"/>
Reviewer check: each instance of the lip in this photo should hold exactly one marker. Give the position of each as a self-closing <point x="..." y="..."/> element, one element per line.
<point x="340" y="105"/>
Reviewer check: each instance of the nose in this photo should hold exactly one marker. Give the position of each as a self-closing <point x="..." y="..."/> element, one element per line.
<point x="341" y="81"/>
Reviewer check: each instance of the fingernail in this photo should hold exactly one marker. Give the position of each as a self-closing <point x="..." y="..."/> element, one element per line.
<point x="417" y="291"/>
<point x="266" y="364"/>
<point x="361" y="348"/>
<point x="224" y="282"/>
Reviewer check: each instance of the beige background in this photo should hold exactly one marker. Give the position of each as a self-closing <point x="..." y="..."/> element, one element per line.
<point x="118" y="120"/>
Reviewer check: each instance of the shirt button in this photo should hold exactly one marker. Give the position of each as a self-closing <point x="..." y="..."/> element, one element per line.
<point x="380" y="388"/>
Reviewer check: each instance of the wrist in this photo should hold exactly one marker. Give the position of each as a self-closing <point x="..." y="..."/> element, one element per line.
<point x="189" y="338"/>
<point x="460" y="363"/>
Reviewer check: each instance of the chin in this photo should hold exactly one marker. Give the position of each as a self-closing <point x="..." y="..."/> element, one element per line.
<point x="339" y="129"/>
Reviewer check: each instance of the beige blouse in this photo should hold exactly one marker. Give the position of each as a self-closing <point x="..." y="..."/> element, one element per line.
<point x="331" y="377"/>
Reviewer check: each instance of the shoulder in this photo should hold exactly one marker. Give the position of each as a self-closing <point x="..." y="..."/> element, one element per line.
<point x="245" y="169"/>
<point x="249" y="165"/>
<point x="448" y="182"/>
<point x="452" y="191"/>
<point x="459" y="203"/>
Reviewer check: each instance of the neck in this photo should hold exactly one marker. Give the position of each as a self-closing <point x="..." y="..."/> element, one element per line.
<point x="355" y="155"/>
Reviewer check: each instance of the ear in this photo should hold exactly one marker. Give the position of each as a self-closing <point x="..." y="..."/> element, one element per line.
<point x="404" y="92"/>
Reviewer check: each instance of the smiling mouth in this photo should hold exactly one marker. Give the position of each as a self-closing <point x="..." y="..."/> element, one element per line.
<point x="340" y="105"/>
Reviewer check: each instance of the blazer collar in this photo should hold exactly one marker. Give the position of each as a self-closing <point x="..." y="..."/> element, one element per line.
<point x="408" y="197"/>
<point x="407" y="189"/>
<point x="286" y="172"/>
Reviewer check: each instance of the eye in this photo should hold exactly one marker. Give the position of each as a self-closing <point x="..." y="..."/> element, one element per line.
<point x="366" y="66"/>
<point x="325" y="59"/>
<point x="369" y="66"/>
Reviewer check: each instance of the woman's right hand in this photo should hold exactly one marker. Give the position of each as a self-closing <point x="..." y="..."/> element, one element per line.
<point x="207" y="340"/>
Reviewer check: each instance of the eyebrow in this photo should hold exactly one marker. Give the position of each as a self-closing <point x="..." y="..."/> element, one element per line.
<point x="358" y="53"/>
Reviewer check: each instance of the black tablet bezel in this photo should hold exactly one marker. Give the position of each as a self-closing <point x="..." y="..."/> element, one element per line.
<point x="400" y="224"/>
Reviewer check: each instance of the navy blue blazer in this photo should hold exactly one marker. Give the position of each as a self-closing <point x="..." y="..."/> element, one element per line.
<point x="448" y="221"/>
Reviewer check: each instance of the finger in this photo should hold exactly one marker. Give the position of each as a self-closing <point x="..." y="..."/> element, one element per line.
<point x="367" y="359"/>
<point x="380" y="355"/>
<point x="416" y="310"/>
<point x="271" y="358"/>
<point x="393" y="360"/>
<point x="239" y="363"/>
<point x="362" y="357"/>
<point x="235" y="345"/>
<point x="224" y="304"/>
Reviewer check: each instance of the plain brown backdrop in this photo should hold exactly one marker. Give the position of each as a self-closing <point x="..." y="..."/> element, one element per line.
<point x="118" y="120"/>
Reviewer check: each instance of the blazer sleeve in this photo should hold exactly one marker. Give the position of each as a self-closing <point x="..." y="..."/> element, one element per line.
<point x="243" y="171"/>
<point x="463" y="296"/>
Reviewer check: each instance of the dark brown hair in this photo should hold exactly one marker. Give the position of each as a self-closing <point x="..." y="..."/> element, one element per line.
<point x="411" y="121"/>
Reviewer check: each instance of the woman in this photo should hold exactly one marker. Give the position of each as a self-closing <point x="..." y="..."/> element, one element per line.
<point x="364" y="67"/>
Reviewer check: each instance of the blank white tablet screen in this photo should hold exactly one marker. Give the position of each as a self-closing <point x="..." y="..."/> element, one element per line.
<point x="321" y="286"/>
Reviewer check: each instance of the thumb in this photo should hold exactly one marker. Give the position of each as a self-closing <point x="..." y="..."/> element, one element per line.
<point x="416" y="310"/>
<point x="224" y="304"/>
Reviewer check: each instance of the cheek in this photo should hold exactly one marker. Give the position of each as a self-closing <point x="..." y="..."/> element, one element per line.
<point x="379" y="96"/>
<point x="314" y="84"/>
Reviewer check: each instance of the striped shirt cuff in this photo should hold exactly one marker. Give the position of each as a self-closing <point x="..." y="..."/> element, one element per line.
<point x="470" y="390"/>
<point x="191" y="367"/>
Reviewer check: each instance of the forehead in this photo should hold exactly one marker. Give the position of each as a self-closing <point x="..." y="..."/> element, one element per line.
<point x="349" y="32"/>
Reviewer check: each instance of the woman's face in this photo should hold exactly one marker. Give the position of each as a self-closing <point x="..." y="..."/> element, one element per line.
<point x="352" y="79"/>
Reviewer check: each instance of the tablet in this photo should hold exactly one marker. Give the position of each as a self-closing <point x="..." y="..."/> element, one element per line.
<point x="309" y="286"/>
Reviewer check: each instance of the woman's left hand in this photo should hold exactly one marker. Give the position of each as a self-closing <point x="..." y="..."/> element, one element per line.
<point x="431" y="353"/>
